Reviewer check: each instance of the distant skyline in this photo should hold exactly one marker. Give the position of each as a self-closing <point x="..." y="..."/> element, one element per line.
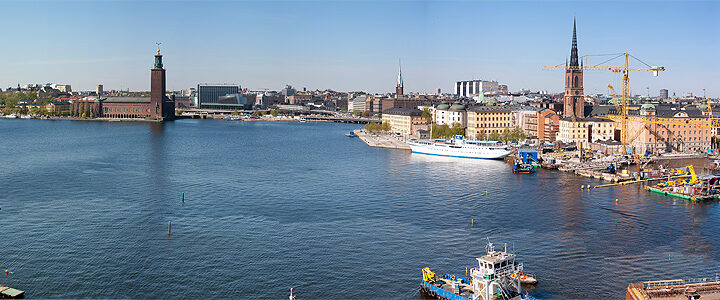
<point x="351" y="46"/>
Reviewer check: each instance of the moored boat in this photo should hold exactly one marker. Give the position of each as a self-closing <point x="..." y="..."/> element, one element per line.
<point x="459" y="147"/>
<point x="520" y="167"/>
<point x="492" y="279"/>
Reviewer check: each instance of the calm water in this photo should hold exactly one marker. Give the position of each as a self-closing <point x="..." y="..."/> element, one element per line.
<point x="84" y="209"/>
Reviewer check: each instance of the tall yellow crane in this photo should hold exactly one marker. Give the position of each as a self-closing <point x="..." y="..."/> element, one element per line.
<point x="625" y="70"/>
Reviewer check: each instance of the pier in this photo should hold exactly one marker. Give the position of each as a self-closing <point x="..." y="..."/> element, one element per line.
<point x="702" y="288"/>
<point x="10" y="293"/>
<point x="382" y="140"/>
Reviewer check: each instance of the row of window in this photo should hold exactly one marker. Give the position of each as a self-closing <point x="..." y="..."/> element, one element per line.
<point x="121" y="110"/>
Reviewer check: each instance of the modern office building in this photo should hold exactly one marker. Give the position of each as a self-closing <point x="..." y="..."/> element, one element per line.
<point x="212" y="95"/>
<point x="473" y="88"/>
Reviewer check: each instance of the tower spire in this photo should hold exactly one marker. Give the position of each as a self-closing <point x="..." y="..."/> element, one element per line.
<point x="574" y="51"/>
<point x="399" y="80"/>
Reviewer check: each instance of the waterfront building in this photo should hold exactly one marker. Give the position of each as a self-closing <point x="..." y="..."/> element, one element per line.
<point x="649" y="134"/>
<point x="209" y="94"/>
<point x="404" y="120"/>
<point x="525" y="118"/>
<point x="548" y="125"/>
<point x="472" y="88"/>
<point x="373" y="104"/>
<point x="56" y="107"/>
<point x="357" y="103"/>
<point x="157" y="107"/>
<point x="584" y="131"/>
<point x="299" y="99"/>
<point x="388" y="103"/>
<point x="483" y="121"/>
<point x="574" y="101"/>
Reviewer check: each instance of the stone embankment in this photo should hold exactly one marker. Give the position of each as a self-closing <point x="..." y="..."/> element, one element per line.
<point x="379" y="140"/>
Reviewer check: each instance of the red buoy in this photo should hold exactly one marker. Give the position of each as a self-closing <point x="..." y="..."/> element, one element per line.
<point x="616" y="201"/>
<point x="169" y="226"/>
<point x="668" y="258"/>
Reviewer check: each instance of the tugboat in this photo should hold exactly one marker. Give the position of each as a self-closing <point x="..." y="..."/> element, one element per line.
<point x="492" y="279"/>
<point x="520" y="167"/>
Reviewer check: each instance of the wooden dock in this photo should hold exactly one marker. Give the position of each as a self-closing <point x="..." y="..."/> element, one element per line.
<point x="680" y="289"/>
<point x="10" y="293"/>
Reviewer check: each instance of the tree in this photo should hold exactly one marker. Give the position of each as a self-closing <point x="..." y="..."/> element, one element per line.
<point x="494" y="136"/>
<point x="235" y="112"/>
<point x="273" y="113"/>
<point x="386" y="126"/>
<point x="427" y="114"/>
<point x="457" y="129"/>
<point x="505" y="135"/>
<point x="482" y="135"/>
<point x="373" y="127"/>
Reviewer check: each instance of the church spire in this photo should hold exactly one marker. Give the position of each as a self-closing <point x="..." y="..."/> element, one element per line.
<point x="399" y="79"/>
<point x="574" y="51"/>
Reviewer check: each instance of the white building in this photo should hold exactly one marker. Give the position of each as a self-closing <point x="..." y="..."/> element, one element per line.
<point x="445" y="114"/>
<point x="475" y="87"/>
<point x="357" y="103"/>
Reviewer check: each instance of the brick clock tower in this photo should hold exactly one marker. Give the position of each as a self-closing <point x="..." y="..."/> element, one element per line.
<point x="574" y="101"/>
<point x="161" y="107"/>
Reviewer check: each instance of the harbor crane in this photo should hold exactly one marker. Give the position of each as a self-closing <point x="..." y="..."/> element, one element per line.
<point x="624" y="70"/>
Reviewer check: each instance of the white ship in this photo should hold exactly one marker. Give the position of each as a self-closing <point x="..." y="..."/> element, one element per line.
<point x="458" y="147"/>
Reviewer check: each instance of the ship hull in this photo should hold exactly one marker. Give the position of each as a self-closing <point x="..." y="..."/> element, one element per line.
<point x="461" y="152"/>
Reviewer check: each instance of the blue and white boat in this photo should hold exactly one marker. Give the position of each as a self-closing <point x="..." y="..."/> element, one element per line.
<point x="459" y="147"/>
<point x="495" y="277"/>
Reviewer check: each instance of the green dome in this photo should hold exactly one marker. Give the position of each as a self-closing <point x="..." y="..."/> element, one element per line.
<point x="457" y="107"/>
<point x="443" y="106"/>
<point x="647" y="106"/>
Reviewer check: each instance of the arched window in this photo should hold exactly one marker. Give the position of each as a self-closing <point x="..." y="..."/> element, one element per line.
<point x="576" y="82"/>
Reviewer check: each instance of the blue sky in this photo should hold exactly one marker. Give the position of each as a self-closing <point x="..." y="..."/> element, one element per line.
<point x="355" y="45"/>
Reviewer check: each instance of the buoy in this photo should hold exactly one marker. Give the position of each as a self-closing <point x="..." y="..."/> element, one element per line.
<point x="6" y="272"/>
<point x="616" y="201"/>
<point x="472" y="222"/>
<point x="668" y="261"/>
<point x="169" y="227"/>
<point x="485" y="193"/>
<point x="183" y="197"/>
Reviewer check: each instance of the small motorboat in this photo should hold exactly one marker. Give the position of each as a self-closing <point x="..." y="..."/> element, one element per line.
<point x="525" y="278"/>
<point x="303" y="120"/>
<point x="351" y="134"/>
<point x="519" y="167"/>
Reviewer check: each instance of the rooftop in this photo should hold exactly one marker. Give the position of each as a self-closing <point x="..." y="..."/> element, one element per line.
<point x="126" y="100"/>
<point x="403" y="111"/>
